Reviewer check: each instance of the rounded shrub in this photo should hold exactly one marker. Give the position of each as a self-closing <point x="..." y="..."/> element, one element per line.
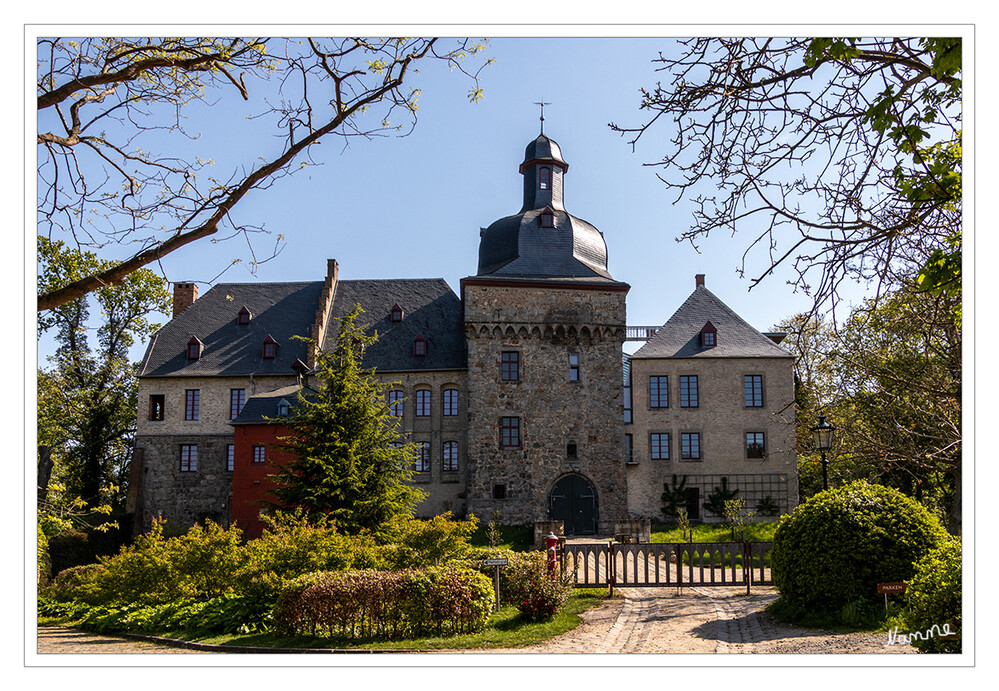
<point x="539" y="594"/>
<point x="834" y="549"/>
<point x="933" y="600"/>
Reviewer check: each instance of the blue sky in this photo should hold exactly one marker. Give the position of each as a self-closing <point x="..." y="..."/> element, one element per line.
<point x="404" y="207"/>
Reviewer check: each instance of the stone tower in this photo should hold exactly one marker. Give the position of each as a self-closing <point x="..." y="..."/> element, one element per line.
<point x="545" y="324"/>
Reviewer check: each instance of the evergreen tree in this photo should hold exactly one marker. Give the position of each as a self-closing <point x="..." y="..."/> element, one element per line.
<point x="347" y="460"/>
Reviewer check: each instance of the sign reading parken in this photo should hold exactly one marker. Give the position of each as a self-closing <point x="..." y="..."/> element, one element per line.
<point x="891" y="588"/>
<point x="495" y="562"/>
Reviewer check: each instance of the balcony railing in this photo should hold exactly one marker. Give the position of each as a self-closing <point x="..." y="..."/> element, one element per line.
<point x="640" y="333"/>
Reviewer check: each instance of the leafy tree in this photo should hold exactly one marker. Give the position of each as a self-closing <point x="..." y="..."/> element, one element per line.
<point x="115" y="170"/>
<point x="87" y="395"/>
<point x="342" y="442"/>
<point x="839" y="157"/>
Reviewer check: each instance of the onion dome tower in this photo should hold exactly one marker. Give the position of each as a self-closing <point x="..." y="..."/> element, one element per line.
<point x="543" y="241"/>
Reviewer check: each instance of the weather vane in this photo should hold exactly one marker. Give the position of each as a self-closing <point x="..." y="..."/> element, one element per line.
<point x="542" y="104"/>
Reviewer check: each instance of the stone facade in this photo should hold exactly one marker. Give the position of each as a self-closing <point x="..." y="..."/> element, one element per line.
<point x="567" y="427"/>
<point x="722" y="420"/>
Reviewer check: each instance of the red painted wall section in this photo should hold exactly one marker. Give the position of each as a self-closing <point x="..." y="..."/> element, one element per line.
<point x="250" y="481"/>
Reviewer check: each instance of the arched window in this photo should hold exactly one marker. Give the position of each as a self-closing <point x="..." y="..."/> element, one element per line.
<point x="544" y="178"/>
<point x="450" y="402"/>
<point x="547" y="219"/>
<point x="423" y="403"/>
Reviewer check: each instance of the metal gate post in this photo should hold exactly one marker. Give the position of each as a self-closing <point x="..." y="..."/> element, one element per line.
<point x="611" y="568"/>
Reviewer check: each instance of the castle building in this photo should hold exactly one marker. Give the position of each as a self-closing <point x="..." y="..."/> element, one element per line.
<point x="518" y="393"/>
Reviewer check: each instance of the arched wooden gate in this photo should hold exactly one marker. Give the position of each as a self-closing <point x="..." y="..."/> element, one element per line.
<point x="574" y="502"/>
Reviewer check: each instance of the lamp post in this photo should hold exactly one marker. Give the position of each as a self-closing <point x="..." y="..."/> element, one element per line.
<point x="822" y="435"/>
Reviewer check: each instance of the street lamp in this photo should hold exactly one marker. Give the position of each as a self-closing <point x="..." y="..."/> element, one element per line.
<point x="822" y="435"/>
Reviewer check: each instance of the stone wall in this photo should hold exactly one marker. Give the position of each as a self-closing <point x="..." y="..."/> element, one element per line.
<point x="545" y="325"/>
<point x="722" y="419"/>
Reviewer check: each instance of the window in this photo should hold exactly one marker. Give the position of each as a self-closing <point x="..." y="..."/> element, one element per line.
<point x="659" y="392"/>
<point x="284" y="408"/>
<point x="188" y="458"/>
<point x="754" y="390"/>
<point x="756" y="445"/>
<point x="395" y="403"/>
<point x="499" y="491"/>
<point x="244" y="316"/>
<point x="237" y="398"/>
<point x="544" y="177"/>
<point x="396" y="313"/>
<point x="450" y="402"/>
<point x="423" y="403"/>
<point x="573" y="366"/>
<point x="572" y="450"/>
<point x="194" y="348"/>
<point x="260" y="454"/>
<point x="422" y="463"/>
<point x="709" y="335"/>
<point x="230" y="457"/>
<point x="690" y="446"/>
<point x="192" y="404"/>
<point x="688" y="391"/>
<point x="509" y="432"/>
<point x="270" y="349"/>
<point x="419" y="346"/>
<point x="510" y="366"/>
<point x="450" y="456"/>
<point x="547" y="219"/>
<point x="629" y="456"/>
<point x="157" y="403"/>
<point x="659" y="446"/>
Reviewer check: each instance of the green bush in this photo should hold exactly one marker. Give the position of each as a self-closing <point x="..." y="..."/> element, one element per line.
<point x="539" y="594"/>
<point x="933" y="599"/>
<point x="834" y="549"/>
<point x="44" y="563"/>
<point x="227" y="614"/>
<point x="431" y="542"/>
<point x="294" y="544"/>
<point x="385" y="604"/>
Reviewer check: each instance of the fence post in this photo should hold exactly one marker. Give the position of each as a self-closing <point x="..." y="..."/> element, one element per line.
<point x="611" y="568"/>
<point x="747" y="564"/>
<point x="679" y="569"/>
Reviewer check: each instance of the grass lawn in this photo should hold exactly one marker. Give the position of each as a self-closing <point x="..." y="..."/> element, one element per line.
<point x="505" y="629"/>
<point x="715" y="532"/>
<point x="516" y="537"/>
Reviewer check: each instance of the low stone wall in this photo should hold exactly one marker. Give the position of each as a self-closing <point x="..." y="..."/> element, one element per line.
<point x="542" y="528"/>
<point x="633" y="530"/>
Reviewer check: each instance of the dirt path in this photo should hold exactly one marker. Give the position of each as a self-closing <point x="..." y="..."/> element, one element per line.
<point x="644" y="621"/>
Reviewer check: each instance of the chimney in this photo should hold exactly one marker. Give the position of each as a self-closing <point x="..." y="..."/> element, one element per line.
<point x="183" y="295"/>
<point x="698" y="280"/>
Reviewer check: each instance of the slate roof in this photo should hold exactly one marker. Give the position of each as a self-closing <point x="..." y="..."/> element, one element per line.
<point x="680" y="336"/>
<point x="260" y="406"/>
<point x="279" y="310"/>
<point x="430" y="308"/>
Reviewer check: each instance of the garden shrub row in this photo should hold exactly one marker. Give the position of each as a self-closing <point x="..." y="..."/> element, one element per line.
<point x="442" y="600"/>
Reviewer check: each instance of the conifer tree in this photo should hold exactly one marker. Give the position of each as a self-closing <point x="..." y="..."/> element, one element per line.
<point x="347" y="460"/>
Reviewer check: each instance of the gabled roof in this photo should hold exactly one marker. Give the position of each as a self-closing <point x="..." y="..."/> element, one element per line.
<point x="282" y="310"/>
<point x="680" y="336"/>
<point x="432" y="310"/>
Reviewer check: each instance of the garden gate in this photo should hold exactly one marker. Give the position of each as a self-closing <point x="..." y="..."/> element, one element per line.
<point x="660" y="565"/>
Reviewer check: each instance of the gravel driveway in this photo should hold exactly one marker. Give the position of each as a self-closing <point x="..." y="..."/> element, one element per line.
<point x="645" y="620"/>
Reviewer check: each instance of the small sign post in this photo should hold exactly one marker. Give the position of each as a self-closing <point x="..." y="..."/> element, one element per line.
<point x="885" y="588"/>
<point x="497" y="563"/>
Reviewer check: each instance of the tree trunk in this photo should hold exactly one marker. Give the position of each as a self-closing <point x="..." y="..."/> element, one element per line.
<point x="44" y="472"/>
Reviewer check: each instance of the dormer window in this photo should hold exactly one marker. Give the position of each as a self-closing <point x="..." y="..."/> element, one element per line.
<point x="283" y="408"/>
<point x="547" y="218"/>
<point x="544" y="177"/>
<point x="194" y="348"/>
<point x="396" y="313"/>
<point x="244" y="316"/>
<point x="270" y="348"/>
<point x="709" y="336"/>
<point x="419" y="346"/>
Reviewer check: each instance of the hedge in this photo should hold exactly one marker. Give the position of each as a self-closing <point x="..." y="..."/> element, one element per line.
<point x="933" y="600"/>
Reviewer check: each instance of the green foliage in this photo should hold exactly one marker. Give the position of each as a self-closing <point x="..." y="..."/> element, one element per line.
<point x="224" y="614"/>
<point x="492" y="530"/>
<point x="674" y="497"/>
<point x="538" y="593"/>
<point x="738" y="517"/>
<point x="715" y="502"/>
<point x="295" y="543"/>
<point x="683" y="523"/>
<point x="933" y="599"/>
<point x="432" y="542"/>
<point x="767" y="506"/>
<point x="385" y="604"/>
<point x="341" y="441"/>
<point x="44" y="570"/>
<point x="835" y="548"/>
